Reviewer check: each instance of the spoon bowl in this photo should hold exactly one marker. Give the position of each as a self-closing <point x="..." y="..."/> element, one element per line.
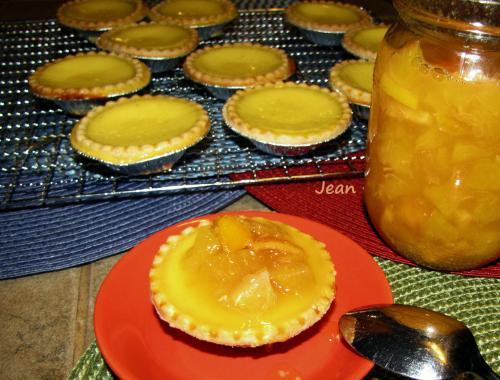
<point x="415" y="342"/>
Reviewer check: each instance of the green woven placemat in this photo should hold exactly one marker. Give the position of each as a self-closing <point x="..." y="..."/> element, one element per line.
<point x="474" y="301"/>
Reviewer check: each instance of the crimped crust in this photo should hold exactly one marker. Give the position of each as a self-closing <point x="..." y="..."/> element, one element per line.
<point x="229" y="13"/>
<point x="294" y="17"/>
<point x="106" y="41"/>
<point x="139" y="13"/>
<point x="354" y="48"/>
<point x="355" y="95"/>
<point x="240" y="126"/>
<point x="139" y="81"/>
<point x="136" y="153"/>
<point x="248" y="337"/>
<point x="284" y="71"/>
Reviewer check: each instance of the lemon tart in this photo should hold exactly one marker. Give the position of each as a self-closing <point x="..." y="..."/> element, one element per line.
<point x="354" y="78"/>
<point x="242" y="281"/>
<point x="364" y="41"/>
<point x="208" y="16"/>
<point x="287" y="118"/>
<point x="99" y="15"/>
<point x="324" y="22"/>
<point x="161" y="46"/>
<point x="141" y="134"/>
<point x="75" y="81"/>
<point x="237" y="65"/>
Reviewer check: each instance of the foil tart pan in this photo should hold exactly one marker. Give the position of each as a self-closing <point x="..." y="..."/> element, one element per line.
<point x="220" y="92"/>
<point x="360" y="111"/>
<point x="323" y="38"/>
<point x="89" y="35"/>
<point x="281" y="149"/>
<point x="225" y="92"/>
<point x="155" y="165"/>
<point x="152" y="165"/>
<point x="160" y="65"/>
<point x="80" y="107"/>
<point x="284" y="150"/>
<point x="206" y="32"/>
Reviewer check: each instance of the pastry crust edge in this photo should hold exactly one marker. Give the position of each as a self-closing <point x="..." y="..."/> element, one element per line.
<point x="229" y="14"/>
<point x="293" y="18"/>
<point x="140" y="80"/>
<point x="105" y="42"/>
<point x="354" y="95"/>
<point x="132" y="154"/>
<point x="139" y="13"/>
<point x="238" y="125"/>
<point x="284" y="71"/>
<point x="356" y="49"/>
<point x="246" y="338"/>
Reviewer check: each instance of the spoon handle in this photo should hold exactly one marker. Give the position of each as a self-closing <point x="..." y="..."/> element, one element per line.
<point x="484" y="372"/>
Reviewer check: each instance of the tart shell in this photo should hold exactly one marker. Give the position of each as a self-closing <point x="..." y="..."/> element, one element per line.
<point x="294" y="18"/>
<point x="234" y="121"/>
<point x="105" y="41"/>
<point x="191" y="325"/>
<point x="354" y="48"/>
<point x="229" y="14"/>
<point x="139" y="13"/>
<point x="354" y="95"/>
<point x="116" y="156"/>
<point x="284" y="71"/>
<point x="140" y="80"/>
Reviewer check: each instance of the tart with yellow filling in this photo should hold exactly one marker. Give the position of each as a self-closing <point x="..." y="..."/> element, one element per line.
<point x="354" y="78"/>
<point x="324" y="22"/>
<point x="208" y="16"/>
<point x="88" y="76"/>
<point x="364" y="41"/>
<point x="159" y="45"/>
<point x="99" y="15"/>
<point x="238" y="65"/>
<point x="140" y="134"/>
<point x="242" y="281"/>
<point x="287" y="115"/>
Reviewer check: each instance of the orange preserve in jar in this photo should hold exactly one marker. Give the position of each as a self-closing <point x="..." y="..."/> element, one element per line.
<point x="433" y="176"/>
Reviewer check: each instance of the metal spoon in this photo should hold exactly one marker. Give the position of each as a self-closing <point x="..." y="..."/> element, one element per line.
<point x="415" y="342"/>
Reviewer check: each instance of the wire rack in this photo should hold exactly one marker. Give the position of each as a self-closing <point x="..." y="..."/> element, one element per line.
<point x="38" y="166"/>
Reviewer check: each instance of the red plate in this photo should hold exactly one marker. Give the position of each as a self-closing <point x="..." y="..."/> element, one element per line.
<point x="136" y="344"/>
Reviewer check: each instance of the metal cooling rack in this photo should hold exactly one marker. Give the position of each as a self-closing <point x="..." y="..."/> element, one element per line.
<point x="38" y="166"/>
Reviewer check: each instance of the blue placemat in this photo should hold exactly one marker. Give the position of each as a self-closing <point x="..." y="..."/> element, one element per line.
<point x="47" y="239"/>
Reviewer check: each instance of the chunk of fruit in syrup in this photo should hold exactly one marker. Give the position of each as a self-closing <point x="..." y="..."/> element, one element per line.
<point x="288" y="276"/>
<point x="233" y="233"/>
<point x="237" y="256"/>
<point x="254" y="292"/>
<point x="206" y="244"/>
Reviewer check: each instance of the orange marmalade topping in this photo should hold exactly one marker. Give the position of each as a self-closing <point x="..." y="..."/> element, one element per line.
<point x="248" y="264"/>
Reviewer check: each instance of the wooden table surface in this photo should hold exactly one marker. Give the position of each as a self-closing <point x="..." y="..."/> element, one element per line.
<point x="46" y="319"/>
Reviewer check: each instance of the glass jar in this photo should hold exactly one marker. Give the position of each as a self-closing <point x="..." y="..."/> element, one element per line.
<point x="433" y="176"/>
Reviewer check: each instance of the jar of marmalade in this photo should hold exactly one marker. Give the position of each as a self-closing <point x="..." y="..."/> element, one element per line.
<point x="433" y="176"/>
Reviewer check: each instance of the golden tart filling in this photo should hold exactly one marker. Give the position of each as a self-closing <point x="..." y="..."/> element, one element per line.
<point x="326" y="16"/>
<point x="288" y="114"/>
<point x="89" y="76"/>
<point x="194" y="13"/>
<point x="150" y="40"/>
<point x="354" y="78"/>
<point x="364" y="41"/>
<point x="238" y="65"/>
<point x="242" y="281"/>
<point x="140" y="128"/>
<point x="98" y="15"/>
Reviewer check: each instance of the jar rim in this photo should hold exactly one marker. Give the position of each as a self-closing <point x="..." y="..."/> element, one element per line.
<point x="471" y="16"/>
